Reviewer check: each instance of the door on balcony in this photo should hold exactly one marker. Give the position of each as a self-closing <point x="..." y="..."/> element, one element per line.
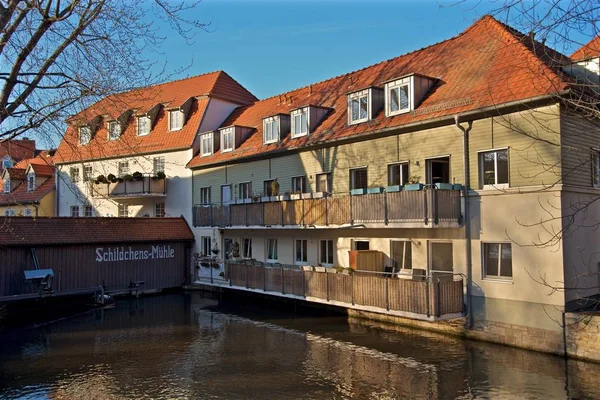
<point x="438" y="170"/>
<point x="225" y="194"/>
<point x="441" y="264"/>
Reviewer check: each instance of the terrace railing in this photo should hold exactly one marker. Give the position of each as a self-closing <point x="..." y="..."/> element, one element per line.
<point x="431" y="296"/>
<point x="430" y="206"/>
<point x="147" y="186"/>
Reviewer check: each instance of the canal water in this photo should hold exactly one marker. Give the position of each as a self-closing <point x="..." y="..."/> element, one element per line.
<point x="183" y="346"/>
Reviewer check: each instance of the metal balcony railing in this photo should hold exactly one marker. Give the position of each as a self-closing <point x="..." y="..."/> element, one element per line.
<point x="428" y="207"/>
<point x="147" y="186"/>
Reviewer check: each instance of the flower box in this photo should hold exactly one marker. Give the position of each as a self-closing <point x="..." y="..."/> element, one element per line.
<point x="357" y="192"/>
<point x="318" y="195"/>
<point x="394" y="188"/>
<point x="306" y="195"/>
<point x="413" y="186"/>
<point x="457" y="186"/>
<point x="295" y="196"/>
<point x="444" y="186"/>
<point x="265" y="199"/>
<point x="375" y="190"/>
<point x="284" y="197"/>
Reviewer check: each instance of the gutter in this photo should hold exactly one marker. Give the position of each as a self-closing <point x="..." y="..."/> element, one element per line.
<point x="466" y="186"/>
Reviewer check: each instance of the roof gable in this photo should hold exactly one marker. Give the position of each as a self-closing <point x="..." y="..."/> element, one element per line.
<point x="588" y="50"/>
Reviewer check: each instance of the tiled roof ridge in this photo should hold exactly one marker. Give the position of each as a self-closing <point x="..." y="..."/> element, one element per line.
<point x="383" y="61"/>
<point x="221" y="73"/>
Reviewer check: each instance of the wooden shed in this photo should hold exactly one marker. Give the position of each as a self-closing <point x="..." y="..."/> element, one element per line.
<point x="79" y="254"/>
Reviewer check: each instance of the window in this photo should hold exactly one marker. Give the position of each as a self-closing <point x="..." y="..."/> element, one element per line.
<point x="245" y="190"/>
<point x="88" y="211"/>
<point x="28" y="212"/>
<point x="247" y="248"/>
<point x="494" y="169"/>
<point x="206" y="145"/>
<point x="268" y="187"/>
<point x="74" y="211"/>
<point x="301" y="249"/>
<point x="271" y="130"/>
<point x="74" y="172"/>
<point x="114" y="130"/>
<point x="438" y="170"/>
<point x="227" y="139"/>
<point x="123" y="210"/>
<point x="271" y="250"/>
<point x="123" y="168"/>
<point x="9" y="212"/>
<point x="143" y="125"/>
<point x="6" y="163"/>
<point x="324" y="183"/>
<point x="205" y="245"/>
<point x="175" y="120"/>
<point x="300" y="122"/>
<point x="358" y="178"/>
<point x="225" y="194"/>
<point x="6" y="188"/>
<point x="85" y="134"/>
<point x="596" y="169"/>
<point x="159" y="210"/>
<point x="88" y="173"/>
<point x="401" y="254"/>
<point x="30" y="182"/>
<point x="397" y="174"/>
<point x="360" y="245"/>
<point x="398" y="97"/>
<point x="497" y="261"/>
<point x="205" y="195"/>
<point x="299" y="184"/>
<point x="159" y="165"/>
<point x="326" y="252"/>
<point x="358" y="107"/>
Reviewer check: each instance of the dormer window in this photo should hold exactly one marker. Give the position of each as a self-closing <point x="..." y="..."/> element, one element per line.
<point x="114" y="130"/>
<point x="227" y="139"/>
<point x="358" y="107"/>
<point x="299" y="122"/>
<point x="398" y="97"/>
<point x="6" y="188"/>
<point x="206" y="144"/>
<point x="85" y="134"/>
<point x="175" y="120"/>
<point x="31" y="182"/>
<point x="143" y="125"/>
<point x="271" y="130"/>
<point x="7" y="163"/>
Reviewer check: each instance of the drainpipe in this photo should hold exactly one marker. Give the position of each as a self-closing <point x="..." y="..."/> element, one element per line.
<point x="467" y="222"/>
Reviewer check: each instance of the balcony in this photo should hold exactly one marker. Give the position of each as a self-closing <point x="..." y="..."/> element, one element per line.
<point x="148" y="186"/>
<point x="405" y="209"/>
<point x="424" y="297"/>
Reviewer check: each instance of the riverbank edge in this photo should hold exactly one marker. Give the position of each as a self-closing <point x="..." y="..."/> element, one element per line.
<point x="577" y="338"/>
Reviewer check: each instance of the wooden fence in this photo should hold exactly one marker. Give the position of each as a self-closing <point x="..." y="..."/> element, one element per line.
<point x="426" y="296"/>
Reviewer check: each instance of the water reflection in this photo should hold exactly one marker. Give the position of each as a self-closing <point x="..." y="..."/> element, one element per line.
<point x="183" y="346"/>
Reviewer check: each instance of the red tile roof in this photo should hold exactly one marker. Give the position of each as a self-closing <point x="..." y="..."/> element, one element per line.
<point x="487" y="65"/>
<point x="589" y="50"/>
<point x="42" y="231"/>
<point x="169" y="95"/>
<point x="20" y="194"/>
<point x="17" y="149"/>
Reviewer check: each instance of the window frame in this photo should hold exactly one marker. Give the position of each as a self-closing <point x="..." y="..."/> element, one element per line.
<point x="74" y="210"/>
<point x="31" y="181"/>
<point x="356" y="97"/>
<point x="402" y="177"/>
<point x="269" y="121"/>
<point x="27" y="212"/>
<point x="7" y="163"/>
<point x="227" y="131"/>
<point x="328" y="177"/>
<point x="596" y="168"/>
<point x="120" y="169"/>
<point x="157" y="205"/>
<point x="299" y="112"/>
<point x="245" y="194"/>
<point x="405" y="241"/>
<point x="86" y="208"/>
<point x="484" y="267"/>
<point x="89" y="134"/>
<point x="148" y="126"/>
<point x="172" y="127"/>
<point x="351" y="177"/>
<point x="393" y="85"/>
<point x="6" y="186"/>
<point x="303" y="251"/>
<point x="480" y="155"/>
<point x="204" y="240"/>
<point x="74" y="177"/>
<point x="158" y="165"/>
<point x="88" y="177"/>
<point x="268" y="248"/>
<point x="123" y="210"/>
<point x="109" y="128"/>
<point x="268" y="188"/>
<point x="205" y="192"/>
<point x="203" y="137"/>
<point x="9" y="212"/>
<point x="247" y="245"/>
<point x="302" y="178"/>
<point x="327" y="264"/>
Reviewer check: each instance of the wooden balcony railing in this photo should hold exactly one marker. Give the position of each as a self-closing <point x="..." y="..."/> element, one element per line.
<point x="424" y="295"/>
<point x="426" y="206"/>
<point x="147" y="186"/>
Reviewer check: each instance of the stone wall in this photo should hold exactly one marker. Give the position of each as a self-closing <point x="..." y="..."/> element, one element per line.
<point x="583" y="335"/>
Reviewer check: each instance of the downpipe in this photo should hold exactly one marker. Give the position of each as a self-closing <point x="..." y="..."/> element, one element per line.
<point x="467" y="222"/>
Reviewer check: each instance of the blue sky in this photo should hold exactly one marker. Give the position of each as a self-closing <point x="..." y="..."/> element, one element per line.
<point x="274" y="46"/>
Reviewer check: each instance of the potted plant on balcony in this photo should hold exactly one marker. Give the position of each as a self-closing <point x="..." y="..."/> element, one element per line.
<point x="112" y="178"/>
<point x="101" y="179"/>
<point x="128" y="178"/>
<point x="413" y="183"/>
<point x="138" y="176"/>
<point x="275" y="188"/>
<point x="159" y="175"/>
<point x="256" y="199"/>
<point x="285" y="196"/>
